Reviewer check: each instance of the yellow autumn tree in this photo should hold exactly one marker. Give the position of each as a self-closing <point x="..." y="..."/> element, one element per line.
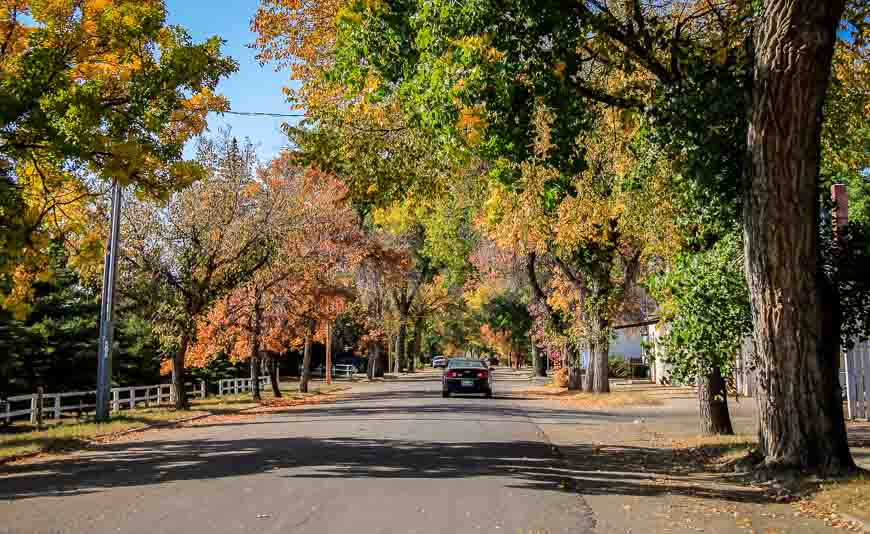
<point x="92" y="92"/>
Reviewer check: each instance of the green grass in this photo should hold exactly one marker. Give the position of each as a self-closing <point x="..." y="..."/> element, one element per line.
<point x="68" y="434"/>
<point x="71" y="434"/>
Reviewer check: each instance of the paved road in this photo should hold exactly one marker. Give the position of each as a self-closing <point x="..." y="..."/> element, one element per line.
<point x="390" y="458"/>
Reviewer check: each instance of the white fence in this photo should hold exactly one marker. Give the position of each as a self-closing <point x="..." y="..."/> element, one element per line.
<point x="341" y="370"/>
<point x="234" y="386"/>
<point x="855" y="379"/>
<point x="56" y="404"/>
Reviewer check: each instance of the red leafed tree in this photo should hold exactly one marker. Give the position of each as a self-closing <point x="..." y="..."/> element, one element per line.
<point x="324" y="247"/>
<point x="314" y="247"/>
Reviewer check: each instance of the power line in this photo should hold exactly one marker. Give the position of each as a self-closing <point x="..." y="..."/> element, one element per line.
<point x="257" y="114"/>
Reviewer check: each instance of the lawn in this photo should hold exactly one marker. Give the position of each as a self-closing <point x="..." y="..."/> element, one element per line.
<point x="22" y="439"/>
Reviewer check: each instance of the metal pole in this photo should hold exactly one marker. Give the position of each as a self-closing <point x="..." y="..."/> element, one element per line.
<point x="107" y="326"/>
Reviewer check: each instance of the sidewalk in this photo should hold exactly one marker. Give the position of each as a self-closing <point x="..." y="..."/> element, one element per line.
<point x="635" y="470"/>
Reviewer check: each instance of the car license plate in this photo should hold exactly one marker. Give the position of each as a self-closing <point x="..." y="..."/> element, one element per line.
<point x="467" y="383"/>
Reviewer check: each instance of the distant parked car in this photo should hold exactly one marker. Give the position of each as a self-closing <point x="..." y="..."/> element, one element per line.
<point x="439" y="361"/>
<point x="465" y="375"/>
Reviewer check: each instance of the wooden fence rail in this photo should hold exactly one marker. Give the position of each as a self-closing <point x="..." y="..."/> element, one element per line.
<point x="122" y="398"/>
<point x="234" y="386"/>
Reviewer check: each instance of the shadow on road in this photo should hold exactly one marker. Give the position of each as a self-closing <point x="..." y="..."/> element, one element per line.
<point x="527" y="464"/>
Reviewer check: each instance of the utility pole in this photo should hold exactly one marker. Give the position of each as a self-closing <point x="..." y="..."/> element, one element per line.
<point x="328" y="353"/>
<point x="107" y="305"/>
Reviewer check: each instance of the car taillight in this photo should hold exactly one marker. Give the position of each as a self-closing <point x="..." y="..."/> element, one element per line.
<point x="483" y="374"/>
<point x="451" y="374"/>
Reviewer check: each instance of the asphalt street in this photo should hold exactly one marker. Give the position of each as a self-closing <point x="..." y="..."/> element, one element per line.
<point x="388" y="458"/>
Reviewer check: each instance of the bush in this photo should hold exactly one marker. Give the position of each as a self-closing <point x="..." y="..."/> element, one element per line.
<point x="560" y="377"/>
<point x="619" y="367"/>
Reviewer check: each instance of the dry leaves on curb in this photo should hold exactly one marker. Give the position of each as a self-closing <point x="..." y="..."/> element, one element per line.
<point x="808" y="508"/>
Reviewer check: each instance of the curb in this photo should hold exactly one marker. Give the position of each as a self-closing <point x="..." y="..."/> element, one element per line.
<point x="173" y="422"/>
<point x="160" y="424"/>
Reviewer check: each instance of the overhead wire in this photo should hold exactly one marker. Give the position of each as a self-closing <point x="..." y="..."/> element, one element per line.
<point x="259" y="114"/>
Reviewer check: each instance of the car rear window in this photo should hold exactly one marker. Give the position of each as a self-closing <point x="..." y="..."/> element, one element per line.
<point x="466" y="363"/>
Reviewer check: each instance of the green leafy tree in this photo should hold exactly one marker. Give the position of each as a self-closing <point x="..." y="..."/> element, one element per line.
<point x="90" y="93"/>
<point x="705" y="301"/>
<point x="469" y="70"/>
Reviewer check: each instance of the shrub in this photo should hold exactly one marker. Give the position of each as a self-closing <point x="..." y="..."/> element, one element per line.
<point x="560" y="377"/>
<point x="619" y="367"/>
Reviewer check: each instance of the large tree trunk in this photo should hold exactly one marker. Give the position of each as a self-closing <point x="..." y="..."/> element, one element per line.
<point x="713" y="403"/>
<point x="539" y="357"/>
<point x="597" y="379"/>
<point x="255" y="354"/>
<point x="383" y="361"/>
<point x="572" y="360"/>
<point x="401" y="341"/>
<point x="416" y="345"/>
<point x="800" y="412"/>
<point x="178" y="377"/>
<point x="273" y="377"/>
<point x="255" y="376"/>
<point x="306" y="359"/>
<point x="372" y="368"/>
<point x="255" y="369"/>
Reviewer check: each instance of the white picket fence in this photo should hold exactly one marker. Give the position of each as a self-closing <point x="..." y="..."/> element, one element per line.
<point x="341" y="370"/>
<point x="234" y="386"/>
<point x="56" y="404"/>
<point x="855" y="379"/>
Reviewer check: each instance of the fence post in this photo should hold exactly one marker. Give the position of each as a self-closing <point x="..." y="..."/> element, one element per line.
<point x="39" y="398"/>
<point x="116" y="400"/>
<point x="57" y="407"/>
<point x="8" y="411"/>
<point x="202" y="390"/>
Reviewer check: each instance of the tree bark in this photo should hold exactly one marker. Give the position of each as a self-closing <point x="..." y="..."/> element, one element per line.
<point x="178" y="376"/>
<point x="306" y="358"/>
<point x="273" y="377"/>
<point x="255" y="353"/>
<point x="416" y="345"/>
<point x="255" y="377"/>
<point x="539" y="358"/>
<point x="575" y="376"/>
<point x="590" y="371"/>
<point x="713" y="403"/>
<point x="401" y="341"/>
<point x="597" y="379"/>
<point x="372" y="368"/>
<point x="801" y="424"/>
<point x="383" y="361"/>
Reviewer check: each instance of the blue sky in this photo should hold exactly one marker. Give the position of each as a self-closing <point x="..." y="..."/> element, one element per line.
<point x="252" y="88"/>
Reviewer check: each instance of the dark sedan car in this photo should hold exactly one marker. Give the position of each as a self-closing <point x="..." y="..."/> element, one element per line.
<point x="466" y="376"/>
